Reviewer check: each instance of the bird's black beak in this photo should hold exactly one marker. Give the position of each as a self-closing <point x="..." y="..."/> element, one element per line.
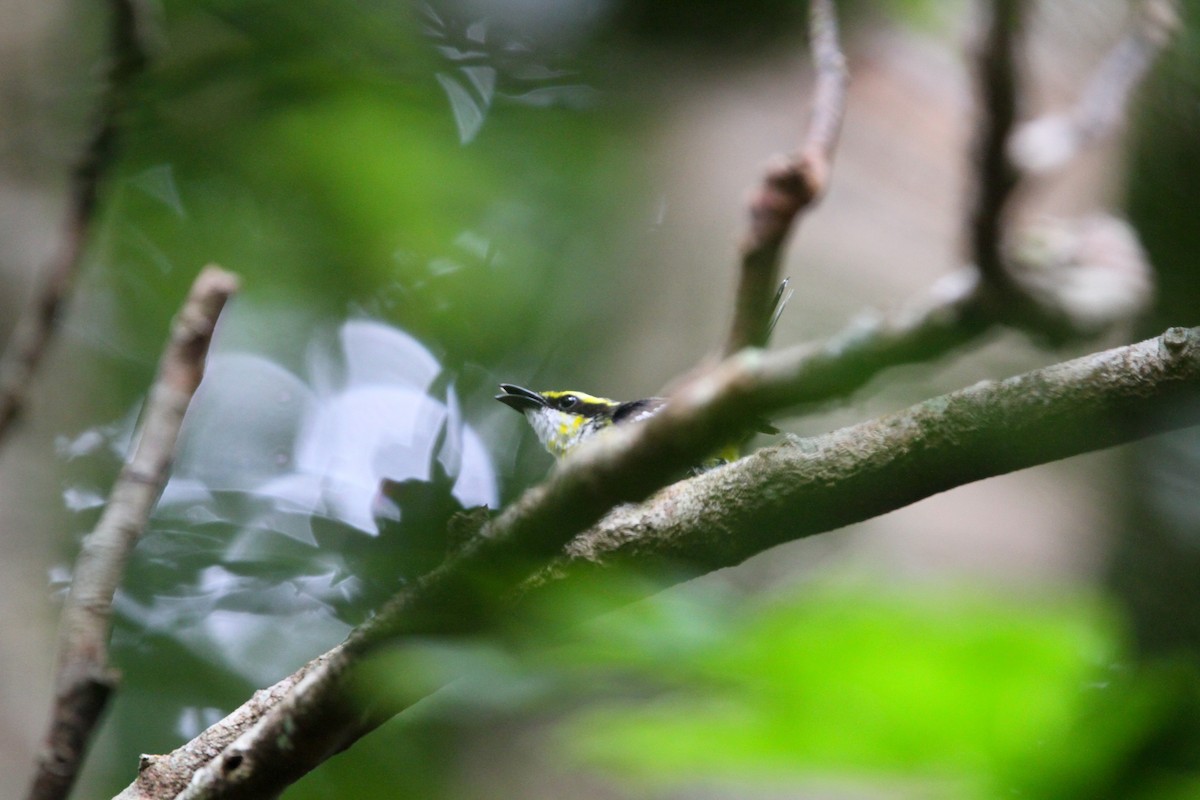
<point x="519" y="399"/>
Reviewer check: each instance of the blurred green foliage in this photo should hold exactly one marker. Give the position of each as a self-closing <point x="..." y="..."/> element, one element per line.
<point x="905" y="693"/>
<point x="318" y="150"/>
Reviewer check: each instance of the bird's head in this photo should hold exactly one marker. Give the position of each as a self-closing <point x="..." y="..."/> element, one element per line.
<point x="561" y="420"/>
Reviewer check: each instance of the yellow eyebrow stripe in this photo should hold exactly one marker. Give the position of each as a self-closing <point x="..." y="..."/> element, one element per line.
<point x="583" y="397"/>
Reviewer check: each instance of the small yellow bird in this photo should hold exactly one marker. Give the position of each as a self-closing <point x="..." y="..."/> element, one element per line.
<point x="564" y="420"/>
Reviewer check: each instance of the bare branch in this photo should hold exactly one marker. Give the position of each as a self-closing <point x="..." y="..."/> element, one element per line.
<point x="1050" y="142"/>
<point x="995" y="177"/>
<point x="84" y="679"/>
<point x="790" y="185"/>
<point x="717" y="519"/>
<point x="39" y="319"/>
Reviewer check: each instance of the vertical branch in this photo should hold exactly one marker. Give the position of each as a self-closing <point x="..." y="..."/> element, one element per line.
<point x="995" y="176"/>
<point x="791" y="185"/>
<point x="39" y="318"/>
<point x="84" y="679"/>
<point x="1032" y="280"/>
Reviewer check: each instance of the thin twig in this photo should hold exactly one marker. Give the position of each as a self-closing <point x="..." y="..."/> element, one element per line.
<point x="1050" y="142"/>
<point x="721" y="517"/>
<point x="39" y="318"/>
<point x="790" y="186"/>
<point x="84" y="678"/>
<point x="995" y="177"/>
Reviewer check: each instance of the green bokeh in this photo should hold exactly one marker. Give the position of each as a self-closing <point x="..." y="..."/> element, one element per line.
<point x="946" y="692"/>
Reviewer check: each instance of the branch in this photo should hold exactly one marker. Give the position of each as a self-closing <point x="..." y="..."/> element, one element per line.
<point x="1050" y="142"/>
<point x="723" y="516"/>
<point x="39" y="319"/>
<point x="995" y="177"/>
<point x="808" y="486"/>
<point x="1059" y="279"/>
<point x="950" y="315"/>
<point x="790" y="186"/>
<point x="84" y="679"/>
<point x="163" y="776"/>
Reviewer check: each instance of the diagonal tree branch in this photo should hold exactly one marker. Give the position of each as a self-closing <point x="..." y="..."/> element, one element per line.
<point x="808" y="486"/>
<point x="84" y="678"/>
<point x="167" y="776"/>
<point x="39" y="319"/>
<point x="1077" y="278"/>
<point x="790" y="186"/>
<point x="717" y="519"/>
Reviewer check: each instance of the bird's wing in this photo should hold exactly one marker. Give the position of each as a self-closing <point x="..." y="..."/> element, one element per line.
<point x="637" y="410"/>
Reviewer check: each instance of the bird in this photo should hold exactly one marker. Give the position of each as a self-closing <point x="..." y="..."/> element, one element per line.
<point x="563" y="420"/>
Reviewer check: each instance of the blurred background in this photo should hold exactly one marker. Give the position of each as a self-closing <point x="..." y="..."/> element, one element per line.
<point x="424" y="200"/>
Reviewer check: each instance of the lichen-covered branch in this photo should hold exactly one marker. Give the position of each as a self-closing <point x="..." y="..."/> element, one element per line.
<point x="84" y="678"/>
<point x="39" y="318"/>
<point x="799" y="488"/>
<point x="791" y="185"/>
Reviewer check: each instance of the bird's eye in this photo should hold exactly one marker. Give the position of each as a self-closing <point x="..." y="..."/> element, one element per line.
<point x="568" y="402"/>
